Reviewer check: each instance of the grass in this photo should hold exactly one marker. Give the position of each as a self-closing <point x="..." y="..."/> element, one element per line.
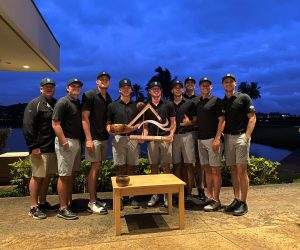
<point x="281" y="137"/>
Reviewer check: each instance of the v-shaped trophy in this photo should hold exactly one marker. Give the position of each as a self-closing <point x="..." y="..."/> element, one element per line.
<point x="158" y="124"/>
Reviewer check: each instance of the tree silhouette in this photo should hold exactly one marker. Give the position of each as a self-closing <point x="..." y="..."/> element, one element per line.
<point x="252" y="89"/>
<point x="137" y="93"/>
<point x="165" y="79"/>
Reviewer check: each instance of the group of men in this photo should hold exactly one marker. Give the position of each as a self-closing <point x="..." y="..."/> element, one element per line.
<point x="197" y="127"/>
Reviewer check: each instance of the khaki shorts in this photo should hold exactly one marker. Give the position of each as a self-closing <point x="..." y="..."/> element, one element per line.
<point x="159" y="152"/>
<point x="44" y="165"/>
<point x="125" y="151"/>
<point x="69" y="161"/>
<point x="100" y="151"/>
<point x="207" y="155"/>
<point x="237" y="149"/>
<point x="183" y="146"/>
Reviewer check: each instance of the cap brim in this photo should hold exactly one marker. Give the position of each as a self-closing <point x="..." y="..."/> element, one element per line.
<point x="228" y="77"/>
<point x="81" y="84"/>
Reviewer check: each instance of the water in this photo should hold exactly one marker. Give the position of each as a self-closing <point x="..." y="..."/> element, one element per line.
<point x="268" y="152"/>
<point x="16" y="143"/>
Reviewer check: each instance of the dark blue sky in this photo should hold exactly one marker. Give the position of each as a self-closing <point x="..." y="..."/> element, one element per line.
<point x="256" y="40"/>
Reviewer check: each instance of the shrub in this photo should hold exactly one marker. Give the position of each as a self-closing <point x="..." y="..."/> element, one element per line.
<point x="10" y="193"/>
<point x="143" y="166"/>
<point x="21" y="174"/>
<point x="261" y="171"/>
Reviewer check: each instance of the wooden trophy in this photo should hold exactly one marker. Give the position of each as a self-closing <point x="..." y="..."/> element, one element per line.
<point x="160" y="125"/>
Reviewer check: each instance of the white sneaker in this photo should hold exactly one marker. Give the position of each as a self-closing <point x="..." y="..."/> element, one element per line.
<point x="96" y="208"/>
<point x="166" y="200"/>
<point x="153" y="200"/>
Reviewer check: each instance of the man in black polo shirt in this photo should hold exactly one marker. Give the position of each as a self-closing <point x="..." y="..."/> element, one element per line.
<point x="159" y="152"/>
<point x="39" y="137"/>
<point x="183" y="150"/>
<point x="66" y="122"/>
<point x="240" y="122"/>
<point x="211" y="122"/>
<point x="94" y="112"/>
<point x="126" y="152"/>
<point x="189" y="84"/>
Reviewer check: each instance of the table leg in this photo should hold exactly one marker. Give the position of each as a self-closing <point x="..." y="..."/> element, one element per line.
<point x="114" y="209"/>
<point x="117" y="212"/>
<point x="181" y="207"/>
<point x="170" y="205"/>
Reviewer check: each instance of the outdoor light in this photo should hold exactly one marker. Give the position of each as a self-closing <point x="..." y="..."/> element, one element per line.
<point x="26" y="67"/>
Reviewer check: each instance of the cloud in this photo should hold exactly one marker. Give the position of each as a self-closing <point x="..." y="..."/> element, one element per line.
<point x="256" y="40"/>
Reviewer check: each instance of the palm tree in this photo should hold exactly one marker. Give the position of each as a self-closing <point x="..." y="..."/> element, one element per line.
<point x="252" y="89"/>
<point x="165" y="79"/>
<point x="137" y="93"/>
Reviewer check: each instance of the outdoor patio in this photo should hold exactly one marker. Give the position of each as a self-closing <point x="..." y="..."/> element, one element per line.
<point x="273" y="222"/>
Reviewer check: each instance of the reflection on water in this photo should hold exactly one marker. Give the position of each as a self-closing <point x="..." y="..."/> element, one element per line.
<point x="17" y="143"/>
<point x="268" y="152"/>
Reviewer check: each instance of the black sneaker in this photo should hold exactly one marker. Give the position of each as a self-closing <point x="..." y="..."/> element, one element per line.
<point x="201" y="194"/>
<point x="241" y="209"/>
<point x="206" y="201"/>
<point x="213" y="206"/>
<point x="67" y="214"/>
<point x="46" y="206"/>
<point x="232" y="206"/>
<point x="188" y="201"/>
<point x="36" y="213"/>
<point x="103" y="203"/>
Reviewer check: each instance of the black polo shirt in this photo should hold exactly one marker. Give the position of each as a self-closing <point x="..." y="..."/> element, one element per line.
<point x="208" y="111"/>
<point x="37" y="124"/>
<point x="185" y="107"/>
<point x="165" y="109"/>
<point x="237" y="107"/>
<point x="120" y="112"/>
<point x="94" y="102"/>
<point x="68" y="112"/>
<point x="194" y="98"/>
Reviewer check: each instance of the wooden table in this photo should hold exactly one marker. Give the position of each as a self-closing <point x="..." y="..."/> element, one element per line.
<point x="149" y="184"/>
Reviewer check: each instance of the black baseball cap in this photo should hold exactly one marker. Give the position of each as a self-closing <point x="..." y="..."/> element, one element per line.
<point x="189" y="79"/>
<point x="103" y="73"/>
<point x="154" y="84"/>
<point x="228" y="76"/>
<point x="74" y="80"/>
<point x="124" y="82"/>
<point x="46" y="81"/>
<point x="177" y="82"/>
<point x="205" y="79"/>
